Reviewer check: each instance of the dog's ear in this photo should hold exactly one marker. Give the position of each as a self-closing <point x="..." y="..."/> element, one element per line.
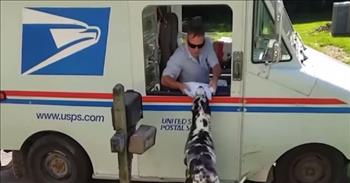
<point x="195" y="105"/>
<point x="205" y="105"/>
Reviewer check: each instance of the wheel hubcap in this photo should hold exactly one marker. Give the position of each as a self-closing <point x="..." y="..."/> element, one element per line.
<point x="57" y="165"/>
<point x="311" y="168"/>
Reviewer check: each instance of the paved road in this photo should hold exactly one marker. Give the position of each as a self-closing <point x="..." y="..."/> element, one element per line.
<point x="6" y="175"/>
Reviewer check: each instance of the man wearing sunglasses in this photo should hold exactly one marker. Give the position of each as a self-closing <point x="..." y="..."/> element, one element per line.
<point x="192" y="61"/>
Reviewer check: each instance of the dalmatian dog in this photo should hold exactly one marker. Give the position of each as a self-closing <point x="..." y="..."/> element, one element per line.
<point x="200" y="158"/>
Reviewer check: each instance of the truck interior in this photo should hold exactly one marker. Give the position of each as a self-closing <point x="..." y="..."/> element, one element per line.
<point x="164" y="30"/>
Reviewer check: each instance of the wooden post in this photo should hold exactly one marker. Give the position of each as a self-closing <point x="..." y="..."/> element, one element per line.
<point x="120" y="125"/>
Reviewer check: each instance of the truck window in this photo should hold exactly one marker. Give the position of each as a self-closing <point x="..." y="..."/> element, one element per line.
<point x="264" y="33"/>
<point x="164" y="30"/>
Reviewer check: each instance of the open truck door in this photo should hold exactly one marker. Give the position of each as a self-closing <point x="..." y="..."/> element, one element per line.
<point x="172" y="110"/>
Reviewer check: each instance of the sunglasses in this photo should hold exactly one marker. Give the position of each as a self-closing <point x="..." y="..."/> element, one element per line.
<point x="199" y="46"/>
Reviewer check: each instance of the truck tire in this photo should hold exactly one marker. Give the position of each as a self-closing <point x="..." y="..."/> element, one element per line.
<point x="18" y="168"/>
<point x="6" y="167"/>
<point x="311" y="163"/>
<point x="57" y="159"/>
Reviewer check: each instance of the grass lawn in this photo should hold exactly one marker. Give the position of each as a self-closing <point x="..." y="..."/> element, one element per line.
<point x="338" y="47"/>
<point x="321" y="40"/>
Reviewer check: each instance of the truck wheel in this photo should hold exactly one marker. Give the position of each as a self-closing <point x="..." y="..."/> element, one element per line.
<point x="312" y="163"/>
<point x="6" y="167"/>
<point x="57" y="159"/>
<point x="18" y="164"/>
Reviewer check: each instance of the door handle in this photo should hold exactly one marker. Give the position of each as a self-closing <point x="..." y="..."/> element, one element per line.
<point x="237" y="59"/>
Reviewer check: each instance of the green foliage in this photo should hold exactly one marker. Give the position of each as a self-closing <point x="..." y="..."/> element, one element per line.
<point x="217" y="35"/>
<point x="218" y="27"/>
<point x="314" y="36"/>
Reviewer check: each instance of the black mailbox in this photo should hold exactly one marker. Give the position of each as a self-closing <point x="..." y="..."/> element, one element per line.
<point x="133" y="107"/>
<point x="126" y="112"/>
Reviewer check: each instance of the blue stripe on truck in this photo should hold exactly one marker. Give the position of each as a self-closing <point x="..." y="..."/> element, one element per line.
<point x="146" y="107"/>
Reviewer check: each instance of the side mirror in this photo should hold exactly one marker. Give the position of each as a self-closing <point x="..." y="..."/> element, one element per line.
<point x="272" y="53"/>
<point x="276" y="49"/>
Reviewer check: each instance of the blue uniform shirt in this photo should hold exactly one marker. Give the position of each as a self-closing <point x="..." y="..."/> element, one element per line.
<point x="182" y="66"/>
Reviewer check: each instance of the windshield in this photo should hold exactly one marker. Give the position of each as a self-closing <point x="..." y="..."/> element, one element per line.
<point x="287" y="24"/>
<point x="294" y="39"/>
<point x="265" y="35"/>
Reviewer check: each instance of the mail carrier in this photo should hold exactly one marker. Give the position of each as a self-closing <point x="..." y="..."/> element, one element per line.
<point x="281" y="111"/>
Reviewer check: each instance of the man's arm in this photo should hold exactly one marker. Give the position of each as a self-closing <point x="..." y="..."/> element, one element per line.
<point x="216" y="74"/>
<point x="215" y="65"/>
<point x="172" y="83"/>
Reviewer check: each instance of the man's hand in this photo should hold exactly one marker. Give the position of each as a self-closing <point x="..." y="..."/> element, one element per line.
<point x="213" y="84"/>
<point x="172" y="83"/>
<point x="214" y="81"/>
<point x="183" y="87"/>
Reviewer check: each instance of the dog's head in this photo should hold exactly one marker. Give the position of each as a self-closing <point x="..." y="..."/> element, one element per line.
<point x="200" y="102"/>
<point x="200" y="110"/>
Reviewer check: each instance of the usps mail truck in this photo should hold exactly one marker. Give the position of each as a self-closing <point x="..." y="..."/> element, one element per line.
<point x="281" y="111"/>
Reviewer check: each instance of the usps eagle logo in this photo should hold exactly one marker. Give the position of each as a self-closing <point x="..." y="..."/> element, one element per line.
<point x="64" y="41"/>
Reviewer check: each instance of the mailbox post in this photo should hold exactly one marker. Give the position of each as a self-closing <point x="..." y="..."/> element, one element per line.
<point x="120" y="137"/>
<point x="126" y="113"/>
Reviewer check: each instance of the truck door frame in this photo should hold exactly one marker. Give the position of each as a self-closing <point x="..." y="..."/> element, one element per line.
<point x="238" y="45"/>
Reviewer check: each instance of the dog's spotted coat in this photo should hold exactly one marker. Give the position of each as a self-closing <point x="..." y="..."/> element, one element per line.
<point x="200" y="158"/>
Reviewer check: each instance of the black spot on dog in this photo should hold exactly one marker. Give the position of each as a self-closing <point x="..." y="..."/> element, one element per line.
<point x="205" y="122"/>
<point x="198" y="149"/>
